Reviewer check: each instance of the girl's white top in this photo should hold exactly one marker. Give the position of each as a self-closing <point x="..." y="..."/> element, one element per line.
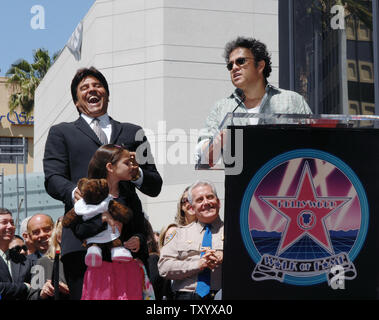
<point x="88" y="211"/>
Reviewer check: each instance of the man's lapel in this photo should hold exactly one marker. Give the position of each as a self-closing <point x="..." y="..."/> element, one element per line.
<point x="116" y="130"/>
<point x="83" y="126"/>
<point x="15" y="267"/>
<point x="5" y="270"/>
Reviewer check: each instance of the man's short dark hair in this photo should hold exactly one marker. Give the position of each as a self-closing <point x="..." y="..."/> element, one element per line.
<point x="5" y="211"/>
<point x="257" y="48"/>
<point x="83" y="73"/>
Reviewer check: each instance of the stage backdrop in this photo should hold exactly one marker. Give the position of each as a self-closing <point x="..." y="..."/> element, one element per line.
<point x="301" y="218"/>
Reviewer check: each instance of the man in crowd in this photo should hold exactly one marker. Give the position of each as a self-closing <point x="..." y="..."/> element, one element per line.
<point x="14" y="273"/>
<point x="24" y="234"/>
<point x="249" y="65"/>
<point x="193" y="256"/>
<point x="69" y="148"/>
<point x="17" y="247"/>
<point x="39" y="229"/>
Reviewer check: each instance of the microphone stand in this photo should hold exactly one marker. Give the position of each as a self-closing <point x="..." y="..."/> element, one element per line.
<point x="55" y="275"/>
<point x="242" y="96"/>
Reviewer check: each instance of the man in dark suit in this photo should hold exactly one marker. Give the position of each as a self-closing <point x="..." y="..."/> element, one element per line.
<point x="69" y="148"/>
<point x="14" y="271"/>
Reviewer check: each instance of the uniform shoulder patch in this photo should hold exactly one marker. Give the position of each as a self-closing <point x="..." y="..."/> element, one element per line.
<point x="170" y="237"/>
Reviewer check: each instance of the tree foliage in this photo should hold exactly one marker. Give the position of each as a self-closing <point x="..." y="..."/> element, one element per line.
<point x="24" y="78"/>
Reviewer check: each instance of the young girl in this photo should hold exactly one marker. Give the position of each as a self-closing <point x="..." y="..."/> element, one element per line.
<point x="118" y="280"/>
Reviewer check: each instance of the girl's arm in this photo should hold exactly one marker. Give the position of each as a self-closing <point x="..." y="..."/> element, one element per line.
<point x="89" y="228"/>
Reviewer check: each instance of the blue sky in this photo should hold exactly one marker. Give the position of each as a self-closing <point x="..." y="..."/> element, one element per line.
<point x="18" y="39"/>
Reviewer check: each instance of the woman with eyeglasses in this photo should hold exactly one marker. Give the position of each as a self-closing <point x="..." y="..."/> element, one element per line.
<point x="184" y="215"/>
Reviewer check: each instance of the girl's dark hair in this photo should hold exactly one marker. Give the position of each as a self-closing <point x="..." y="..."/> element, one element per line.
<point x="152" y="245"/>
<point x="106" y="153"/>
<point x="257" y="48"/>
<point x="83" y="73"/>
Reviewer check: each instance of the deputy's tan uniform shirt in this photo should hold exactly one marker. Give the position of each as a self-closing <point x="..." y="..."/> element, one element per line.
<point x="179" y="258"/>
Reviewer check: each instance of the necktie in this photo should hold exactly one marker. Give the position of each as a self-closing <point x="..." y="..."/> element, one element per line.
<point x="99" y="132"/>
<point x="204" y="277"/>
<point x="6" y="258"/>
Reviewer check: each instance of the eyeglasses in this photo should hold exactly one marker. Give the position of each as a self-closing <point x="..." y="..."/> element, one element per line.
<point x="184" y="200"/>
<point x="239" y="62"/>
<point x="19" y="248"/>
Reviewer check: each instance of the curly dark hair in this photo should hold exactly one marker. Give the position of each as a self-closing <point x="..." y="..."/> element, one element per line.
<point x="257" y="48"/>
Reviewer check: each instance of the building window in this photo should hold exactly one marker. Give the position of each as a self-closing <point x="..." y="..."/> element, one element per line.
<point x="366" y="70"/>
<point x="350" y="28"/>
<point x="368" y="108"/>
<point x="354" y="107"/>
<point x="352" y="70"/>
<point x="329" y="66"/>
<point x="364" y="33"/>
<point x="9" y="146"/>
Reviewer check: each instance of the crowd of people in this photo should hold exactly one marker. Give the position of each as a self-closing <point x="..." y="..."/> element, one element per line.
<point x="31" y="261"/>
<point x="104" y="248"/>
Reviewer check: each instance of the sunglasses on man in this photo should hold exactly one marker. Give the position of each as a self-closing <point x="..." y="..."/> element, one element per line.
<point x="19" y="248"/>
<point x="239" y="62"/>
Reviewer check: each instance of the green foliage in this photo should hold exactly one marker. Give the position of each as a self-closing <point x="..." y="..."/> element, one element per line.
<point x="24" y="78"/>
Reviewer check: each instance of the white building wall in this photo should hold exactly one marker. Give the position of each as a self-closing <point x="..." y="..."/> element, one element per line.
<point x="164" y="65"/>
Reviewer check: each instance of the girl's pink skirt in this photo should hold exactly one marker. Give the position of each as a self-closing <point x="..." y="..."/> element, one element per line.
<point x="117" y="281"/>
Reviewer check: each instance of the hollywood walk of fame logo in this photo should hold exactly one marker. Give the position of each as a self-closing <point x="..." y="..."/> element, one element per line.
<point x="304" y="213"/>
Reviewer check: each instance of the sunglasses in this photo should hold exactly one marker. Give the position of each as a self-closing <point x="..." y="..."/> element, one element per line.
<point x="239" y="62"/>
<point x="19" y="248"/>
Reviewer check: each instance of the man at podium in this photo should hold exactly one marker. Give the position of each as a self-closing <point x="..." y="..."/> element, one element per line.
<point x="249" y="65"/>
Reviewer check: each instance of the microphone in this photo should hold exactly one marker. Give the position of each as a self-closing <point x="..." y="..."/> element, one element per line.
<point x="55" y="275"/>
<point x="242" y="96"/>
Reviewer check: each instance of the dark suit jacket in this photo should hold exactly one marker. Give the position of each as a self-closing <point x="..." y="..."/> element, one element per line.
<point x="70" y="147"/>
<point x="13" y="287"/>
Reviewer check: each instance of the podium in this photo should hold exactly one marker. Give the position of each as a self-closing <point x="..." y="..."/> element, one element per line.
<point x="301" y="209"/>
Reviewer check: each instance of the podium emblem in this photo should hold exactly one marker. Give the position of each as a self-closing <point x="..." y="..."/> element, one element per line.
<point x="304" y="213"/>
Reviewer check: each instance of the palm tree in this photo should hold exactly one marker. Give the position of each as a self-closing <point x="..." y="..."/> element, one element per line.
<point x="24" y="79"/>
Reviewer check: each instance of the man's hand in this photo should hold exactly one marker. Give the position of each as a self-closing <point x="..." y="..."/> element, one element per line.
<point x="47" y="290"/>
<point x="212" y="151"/>
<point x="211" y="259"/>
<point x="63" y="288"/>
<point x="219" y="256"/>
<point x="133" y="244"/>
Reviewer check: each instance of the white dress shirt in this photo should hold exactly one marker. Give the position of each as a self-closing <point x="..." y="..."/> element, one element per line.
<point x="106" y="125"/>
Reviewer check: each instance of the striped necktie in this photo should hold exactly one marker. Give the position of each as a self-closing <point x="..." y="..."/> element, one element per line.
<point x="99" y="132"/>
<point x="204" y="277"/>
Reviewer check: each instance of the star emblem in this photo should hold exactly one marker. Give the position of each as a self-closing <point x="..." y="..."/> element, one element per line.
<point x="305" y="213"/>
